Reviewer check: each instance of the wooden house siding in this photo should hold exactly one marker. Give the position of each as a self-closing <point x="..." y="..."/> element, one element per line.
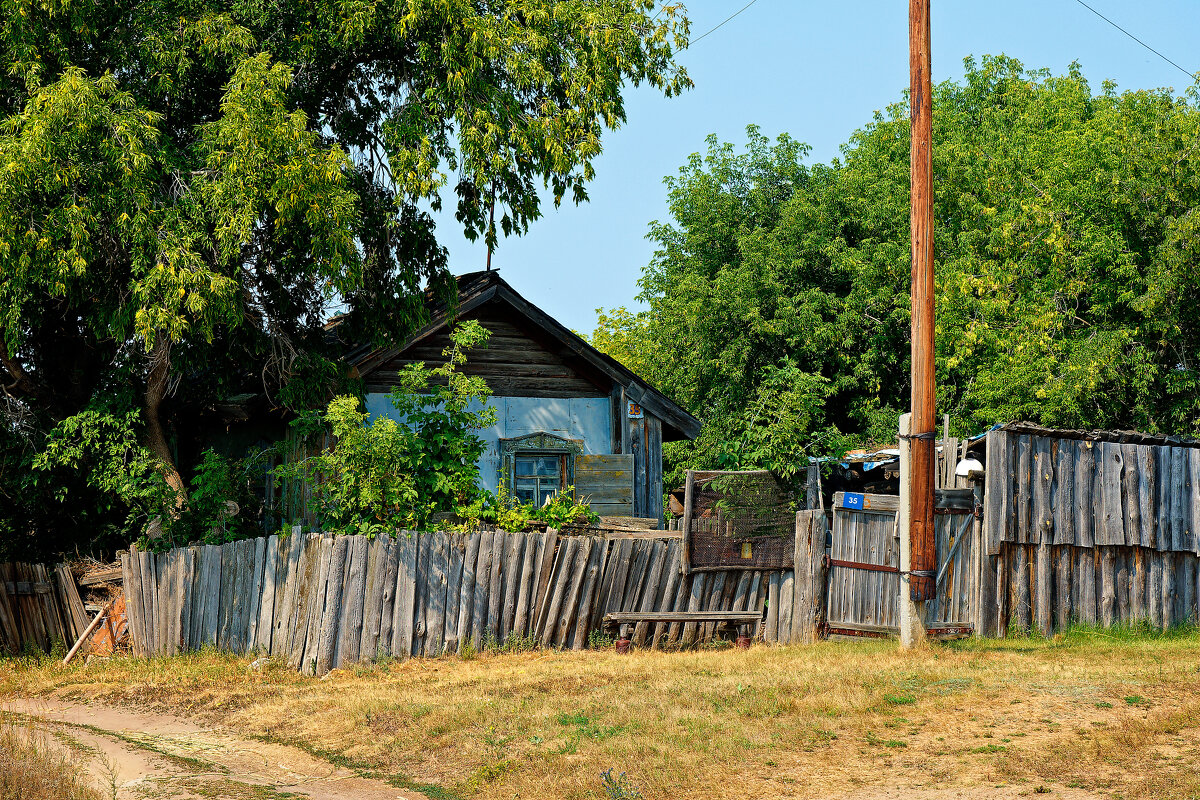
<point x="606" y="482"/>
<point x="515" y="362"/>
<point x="642" y="437"/>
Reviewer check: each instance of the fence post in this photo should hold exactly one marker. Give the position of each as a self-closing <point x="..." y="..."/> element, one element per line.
<point x="813" y="498"/>
<point x="809" y="564"/>
<point x="685" y="560"/>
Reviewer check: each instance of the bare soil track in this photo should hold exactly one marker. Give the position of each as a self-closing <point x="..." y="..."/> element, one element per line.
<point x="154" y="755"/>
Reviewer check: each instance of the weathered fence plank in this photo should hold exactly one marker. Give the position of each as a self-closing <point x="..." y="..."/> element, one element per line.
<point x="1043" y="587"/>
<point x="526" y="586"/>
<point x="1191" y="539"/>
<point x="557" y="594"/>
<point x="454" y="553"/>
<point x="496" y="586"/>
<point x="256" y="592"/>
<point x="513" y="547"/>
<point x="1042" y="478"/>
<point x="483" y="584"/>
<point x="406" y="583"/>
<point x="8" y="639"/>
<point x="331" y="613"/>
<point x="567" y="613"/>
<point x="435" y="612"/>
<point x="579" y="636"/>
<point x="654" y="577"/>
<point x="1179" y="500"/>
<point x="674" y="576"/>
<point x="311" y="651"/>
<point x="467" y="600"/>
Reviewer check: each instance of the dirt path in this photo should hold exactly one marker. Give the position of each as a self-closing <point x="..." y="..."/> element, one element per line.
<point x="158" y="755"/>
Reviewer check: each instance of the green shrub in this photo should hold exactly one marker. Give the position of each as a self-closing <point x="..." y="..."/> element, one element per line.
<point x="385" y="474"/>
<point x="218" y="506"/>
<point x="222" y="505"/>
<point x="105" y="448"/>
<point x="561" y="510"/>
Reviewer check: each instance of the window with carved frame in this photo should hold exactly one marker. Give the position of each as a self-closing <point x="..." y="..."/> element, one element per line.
<point x="537" y="465"/>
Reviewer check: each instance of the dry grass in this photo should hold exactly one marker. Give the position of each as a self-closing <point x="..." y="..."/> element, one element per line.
<point x="32" y="765"/>
<point x="1115" y="713"/>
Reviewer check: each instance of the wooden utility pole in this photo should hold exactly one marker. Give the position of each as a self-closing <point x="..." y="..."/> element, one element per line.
<point x="922" y="540"/>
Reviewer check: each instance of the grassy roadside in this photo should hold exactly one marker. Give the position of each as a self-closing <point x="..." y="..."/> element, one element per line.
<point x="1108" y="711"/>
<point x="32" y="765"/>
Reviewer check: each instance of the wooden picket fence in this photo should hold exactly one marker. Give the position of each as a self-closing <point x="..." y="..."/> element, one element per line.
<point x="319" y="601"/>
<point x="39" y="608"/>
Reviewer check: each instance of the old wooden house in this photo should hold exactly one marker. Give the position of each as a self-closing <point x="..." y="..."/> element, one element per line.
<point x="566" y="414"/>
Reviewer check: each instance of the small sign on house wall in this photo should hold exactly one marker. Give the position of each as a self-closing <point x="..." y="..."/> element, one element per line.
<point x="635" y="411"/>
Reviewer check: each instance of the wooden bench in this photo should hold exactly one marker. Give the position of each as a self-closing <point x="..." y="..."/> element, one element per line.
<point x="622" y="620"/>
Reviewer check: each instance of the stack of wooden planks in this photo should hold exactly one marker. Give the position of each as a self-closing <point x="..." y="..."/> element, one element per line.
<point x="39" y="607"/>
<point x="321" y="602"/>
<point x="1098" y="531"/>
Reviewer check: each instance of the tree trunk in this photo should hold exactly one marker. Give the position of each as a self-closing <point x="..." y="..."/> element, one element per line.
<point x="156" y="437"/>
<point x="21" y="381"/>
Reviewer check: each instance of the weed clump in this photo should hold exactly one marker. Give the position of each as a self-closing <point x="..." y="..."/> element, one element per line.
<point x="32" y="766"/>
<point x="619" y="787"/>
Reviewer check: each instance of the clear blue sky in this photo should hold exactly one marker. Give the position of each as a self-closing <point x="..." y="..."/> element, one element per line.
<point x="815" y="70"/>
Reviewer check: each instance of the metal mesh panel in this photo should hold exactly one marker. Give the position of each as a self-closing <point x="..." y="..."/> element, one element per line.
<point x="741" y="520"/>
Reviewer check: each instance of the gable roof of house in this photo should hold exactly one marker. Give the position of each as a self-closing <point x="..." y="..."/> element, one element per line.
<point x="479" y="289"/>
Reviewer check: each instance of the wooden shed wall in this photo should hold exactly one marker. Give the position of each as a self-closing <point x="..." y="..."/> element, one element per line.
<point x="1098" y="532"/>
<point x="1088" y="493"/>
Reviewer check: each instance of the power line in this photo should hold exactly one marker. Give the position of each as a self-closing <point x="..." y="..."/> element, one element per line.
<point x="1190" y="75"/>
<point x="727" y="19"/>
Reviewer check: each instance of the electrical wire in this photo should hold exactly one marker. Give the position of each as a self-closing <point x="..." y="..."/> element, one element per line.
<point x="1191" y="76"/>
<point x="722" y="22"/>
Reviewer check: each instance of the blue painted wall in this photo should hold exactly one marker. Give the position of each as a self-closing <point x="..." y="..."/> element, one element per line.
<point x="586" y="418"/>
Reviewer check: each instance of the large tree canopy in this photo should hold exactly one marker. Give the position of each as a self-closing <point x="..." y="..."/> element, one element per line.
<point x="1068" y="273"/>
<point x="187" y="185"/>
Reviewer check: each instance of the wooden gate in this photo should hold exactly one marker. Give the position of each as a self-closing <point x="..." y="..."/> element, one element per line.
<point x="863" y="587"/>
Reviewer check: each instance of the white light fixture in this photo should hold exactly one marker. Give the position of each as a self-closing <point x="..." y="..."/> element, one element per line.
<point x="969" y="468"/>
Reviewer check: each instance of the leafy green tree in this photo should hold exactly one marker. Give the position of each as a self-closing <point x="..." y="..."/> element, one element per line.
<point x="1065" y="225"/>
<point x="187" y="187"/>
<point x="106" y="449"/>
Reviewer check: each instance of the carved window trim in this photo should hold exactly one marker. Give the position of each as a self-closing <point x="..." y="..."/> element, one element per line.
<point x="540" y="443"/>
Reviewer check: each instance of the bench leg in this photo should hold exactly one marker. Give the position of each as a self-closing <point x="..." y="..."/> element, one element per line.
<point x="743" y="641"/>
